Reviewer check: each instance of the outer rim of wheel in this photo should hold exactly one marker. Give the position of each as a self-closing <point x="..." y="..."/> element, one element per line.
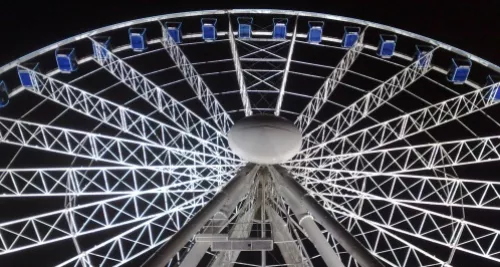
<point x="268" y="12"/>
<point x="53" y="46"/>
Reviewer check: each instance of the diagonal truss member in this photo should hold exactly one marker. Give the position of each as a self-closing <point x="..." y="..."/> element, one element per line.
<point x="175" y="111"/>
<point x="287" y="69"/>
<point x="332" y="81"/>
<point x="201" y="89"/>
<point x="361" y="108"/>
<point x="120" y="117"/>
<point x="239" y="74"/>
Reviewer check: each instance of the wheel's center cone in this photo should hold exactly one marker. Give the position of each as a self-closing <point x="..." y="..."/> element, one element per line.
<point x="265" y="139"/>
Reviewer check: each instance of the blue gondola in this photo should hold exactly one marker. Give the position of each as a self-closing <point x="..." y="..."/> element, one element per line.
<point x="351" y="36"/>
<point x="26" y="74"/>
<point x="101" y="45"/>
<point x="245" y="27"/>
<point x="279" y="31"/>
<point x="66" y="60"/>
<point x="494" y="91"/>
<point x="209" y="32"/>
<point x="174" y="31"/>
<point x="4" y="95"/>
<point x="138" y="39"/>
<point x="423" y="55"/>
<point x="387" y="45"/>
<point x="459" y="70"/>
<point x="315" y="31"/>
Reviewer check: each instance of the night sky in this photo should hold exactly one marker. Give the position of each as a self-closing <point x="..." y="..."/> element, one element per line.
<point x="25" y="27"/>
<point x="469" y="25"/>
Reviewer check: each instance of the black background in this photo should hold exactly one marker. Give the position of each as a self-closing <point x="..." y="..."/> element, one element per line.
<point x="469" y="25"/>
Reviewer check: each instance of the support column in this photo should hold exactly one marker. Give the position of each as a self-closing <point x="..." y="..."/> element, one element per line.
<point x="307" y="222"/>
<point x="241" y="229"/>
<point x="301" y="203"/>
<point x="283" y="238"/>
<point x="233" y="189"/>
<point x="196" y="253"/>
<point x="263" y="217"/>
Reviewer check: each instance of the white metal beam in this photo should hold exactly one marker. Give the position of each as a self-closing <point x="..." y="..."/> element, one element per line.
<point x="413" y="123"/>
<point x="424" y="224"/>
<point x="332" y="81"/>
<point x="382" y="242"/>
<point x="416" y="189"/>
<point x="287" y="68"/>
<point x="140" y="239"/>
<point x="287" y="245"/>
<point x="205" y="95"/>
<point x="421" y="157"/>
<point x="218" y="223"/>
<point x="91" y="181"/>
<point x="120" y="117"/>
<point x="361" y="108"/>
<point x="239" y="74"/>
<point x="230" y="191"/>
<point x="100" y="215"/>
<point x="305" y="207"/>
<point x="93" y="146"/>
<point x="176" y="112"/>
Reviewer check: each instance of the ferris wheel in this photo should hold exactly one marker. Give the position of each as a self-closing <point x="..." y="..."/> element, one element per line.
<point x="249" y="138"/>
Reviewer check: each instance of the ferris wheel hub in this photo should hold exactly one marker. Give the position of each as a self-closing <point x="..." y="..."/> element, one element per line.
<point x="265" y="139"/>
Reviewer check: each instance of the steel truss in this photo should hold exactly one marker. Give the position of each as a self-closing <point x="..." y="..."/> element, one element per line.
<point x="225" y="202"/>
<point x="421" y="157"/>
<point x="319" y="99"/>
<point x="205" y="95"/>
<point x="94" y="146"/>
<point x="417" y="189"/>
<point x="120" y="117"/>
<point x="48" y="182"/>
<point x="176" y="112"/>
<point x="418" y="121"/>
<point x="239" y="74"/>
<point x="360" y="109"/>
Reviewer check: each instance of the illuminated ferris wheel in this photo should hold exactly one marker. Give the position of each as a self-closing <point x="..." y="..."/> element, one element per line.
<point x="250" y="138"/>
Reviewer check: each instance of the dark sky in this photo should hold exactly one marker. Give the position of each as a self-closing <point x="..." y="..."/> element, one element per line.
<point x="470" y="25"/>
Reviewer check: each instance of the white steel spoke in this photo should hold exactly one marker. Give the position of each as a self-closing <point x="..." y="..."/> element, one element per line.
<point x="239" y="74"/>
<point x="139" y="239"/>
<point x="332" y="81"/>
<point x="417" y="189"/>
<point x="80" y="181"/>
<point x="381" y="242"/>
<point x="120" y="117"/>
<point x="94" y="146"/>
<point x="361" y="108"/>
<point x="287" y="68"/>
<point x="176" y="112"/>
<point x="205" y="95"/>
<point x="413" y="123"/>
<point x="422" y="157"/>
<point x="100" y="215"/>
<point x="425" y="224"/>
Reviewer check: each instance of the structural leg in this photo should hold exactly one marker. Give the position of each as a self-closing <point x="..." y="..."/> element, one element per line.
<point x="307" y="222"/>
<point x="301" y="203"/>
<point x="219" y="220"/>
<point x="241" y="230"/>
<point x="283" y="238"/>
<point x="233" y="189"/>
